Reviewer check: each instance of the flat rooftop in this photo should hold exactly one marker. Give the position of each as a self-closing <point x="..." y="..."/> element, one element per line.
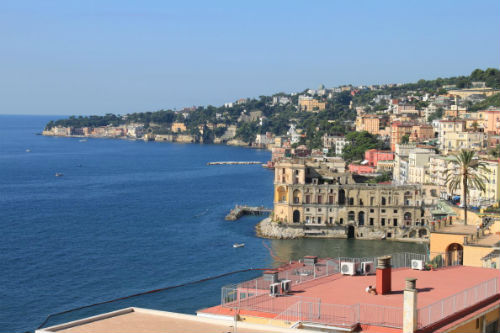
<point x="457" y="229"/>
<point x="432" y="287"/>
<point x="136" y="320"/>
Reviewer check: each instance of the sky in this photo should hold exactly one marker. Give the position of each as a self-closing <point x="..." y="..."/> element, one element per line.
<point x="118" y="56"/>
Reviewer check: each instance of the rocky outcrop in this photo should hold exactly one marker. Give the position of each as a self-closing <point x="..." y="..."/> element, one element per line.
<point x="268" y="229"/>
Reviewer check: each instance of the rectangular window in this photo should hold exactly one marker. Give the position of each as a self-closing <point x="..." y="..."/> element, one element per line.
<point x="331" y="220"/>
<point x="395" y="211"/>
<point x="320" y="199"/>
<point x="308" y="199"/>
<point x="395" y="222"/>
<point x="319" y="219"/>
<point x="372" y="210"/>
<point x="383" y="211"/>
<point x="371" y="220"/>
<point x="382" y="222"/>
<point x="330" y="199"/>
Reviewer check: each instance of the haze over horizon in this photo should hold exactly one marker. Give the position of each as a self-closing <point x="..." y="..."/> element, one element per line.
<point x="97" y="57"/>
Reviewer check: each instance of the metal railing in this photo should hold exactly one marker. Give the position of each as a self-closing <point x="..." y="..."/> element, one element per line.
<point x="297" y="275"/>
<point x="451" y="305"/>
<point x="445" y="259"/>
<point x="254" y="295"/>
<point x="343" y="315"/>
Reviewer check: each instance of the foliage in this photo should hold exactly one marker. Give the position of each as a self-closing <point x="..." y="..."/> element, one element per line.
<point x="358" y="143"/>
<point x="493" y="100"/>
<point x="247" y="132"/>
<point x="384" y="177"/>
<point x="438" y="114"/>
<point x="405" y="139"/>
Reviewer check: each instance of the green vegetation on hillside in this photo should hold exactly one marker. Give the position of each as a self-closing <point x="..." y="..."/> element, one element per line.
<point x="334" y="120"/>
<point x="358" y="143"/>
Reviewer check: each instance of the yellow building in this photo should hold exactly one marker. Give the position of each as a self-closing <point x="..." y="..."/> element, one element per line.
<point x="455" y="141"/>
<point x="468" y="245"/>
<point x="178" y="127"/>
<point x="464" y="93"/>
<point x="307" y="103"/>
<point x="371" y="123"/>
<point x="308" y="194"/>
<point x="491" y="174"/>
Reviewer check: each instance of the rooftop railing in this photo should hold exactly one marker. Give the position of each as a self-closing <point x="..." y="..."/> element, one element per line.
<point x="254" y="295"/>
<point x="448" y="306"/>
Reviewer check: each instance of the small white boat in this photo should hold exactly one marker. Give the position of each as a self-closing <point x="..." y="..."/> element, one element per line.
<point x="235" y="245"/>
<point x="58" y="174"/>
<point x="83" y="140"/>
<point x="28" y="150"/>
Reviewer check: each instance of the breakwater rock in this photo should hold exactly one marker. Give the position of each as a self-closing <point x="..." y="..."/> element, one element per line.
<point x="268" y="229"/>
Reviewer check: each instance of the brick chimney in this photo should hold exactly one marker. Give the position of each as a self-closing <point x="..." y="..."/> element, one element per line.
<point x="410" y="306"/>
<point x="383" y="275"/>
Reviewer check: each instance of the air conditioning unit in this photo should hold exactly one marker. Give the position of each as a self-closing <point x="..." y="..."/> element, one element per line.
<point x="286" y="286"/>
<point x="367" y="267"/>
<point x="348" y="268"/>
<point x="417" y="264"/>
<point x="274" y="289"/>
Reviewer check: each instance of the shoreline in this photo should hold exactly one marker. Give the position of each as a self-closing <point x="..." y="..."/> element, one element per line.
<point x="140" y="139"/>
<point x="272" y="230"/>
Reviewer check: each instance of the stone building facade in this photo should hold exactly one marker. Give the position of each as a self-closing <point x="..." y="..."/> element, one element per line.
<point x="308" y="194"/>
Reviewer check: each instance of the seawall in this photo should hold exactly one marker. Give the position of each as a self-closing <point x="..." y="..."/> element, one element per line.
<point x="274" y="230"/>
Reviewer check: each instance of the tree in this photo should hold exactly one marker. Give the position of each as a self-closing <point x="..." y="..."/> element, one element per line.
<point x="465" y="174"/>
<point x="358" y="143"/>
<point x="405" y="139"/>
<point x="436" y="114"/>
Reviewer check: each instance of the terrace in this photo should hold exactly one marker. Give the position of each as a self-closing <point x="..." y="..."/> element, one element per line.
<point x="322" y="296"/>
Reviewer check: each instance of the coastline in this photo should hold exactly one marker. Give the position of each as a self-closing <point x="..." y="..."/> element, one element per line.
<point x="243" y="145"/>
<point x="273" y="230"/>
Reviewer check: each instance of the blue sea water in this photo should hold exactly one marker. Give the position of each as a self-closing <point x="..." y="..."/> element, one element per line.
<point x="129" y="216"/>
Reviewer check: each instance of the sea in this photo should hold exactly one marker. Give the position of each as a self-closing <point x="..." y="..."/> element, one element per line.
<point x="126" y="217"/>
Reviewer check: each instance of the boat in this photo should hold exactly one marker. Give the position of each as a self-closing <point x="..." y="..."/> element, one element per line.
<point x="235" y="245"/>
<point x="28" y="150"/>
<point x="83" y="140"/>
<point x="58" y="174"/>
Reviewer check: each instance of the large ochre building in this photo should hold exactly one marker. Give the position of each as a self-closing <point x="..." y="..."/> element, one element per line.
<point x="313" y="194"/>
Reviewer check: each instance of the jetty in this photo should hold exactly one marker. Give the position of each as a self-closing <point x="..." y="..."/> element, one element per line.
<point x="238" y="211"/>
<point x="234" y="163"/>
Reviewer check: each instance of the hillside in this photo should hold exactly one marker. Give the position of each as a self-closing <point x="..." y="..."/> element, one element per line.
<point x="334" y="114"/>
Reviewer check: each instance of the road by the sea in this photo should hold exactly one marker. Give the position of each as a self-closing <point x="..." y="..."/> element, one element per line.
<point x="130" y="216"/>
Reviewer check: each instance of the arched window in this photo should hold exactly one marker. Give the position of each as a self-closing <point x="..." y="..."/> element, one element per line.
<point x="351" y="216"/>
<point x="297" y="197"/>
<point x="383" y="202"/>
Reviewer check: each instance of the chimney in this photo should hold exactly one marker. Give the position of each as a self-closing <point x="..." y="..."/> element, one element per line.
<point x="310" y="260"/>
<point x="410" y="306"/>
<point x="383" y="275"/>
<point x="271" y="275"/>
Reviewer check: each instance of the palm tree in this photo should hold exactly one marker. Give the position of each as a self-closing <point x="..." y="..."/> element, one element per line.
<point x="467" y="172"/>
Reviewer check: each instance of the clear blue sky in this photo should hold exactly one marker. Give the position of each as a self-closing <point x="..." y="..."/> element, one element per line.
<point x="94" y="57"/>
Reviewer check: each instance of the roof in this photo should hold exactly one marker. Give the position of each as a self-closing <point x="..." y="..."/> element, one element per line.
<point x="491" y="255"/>
<point x="432" y="286"/>
<point x="137" y="320"/>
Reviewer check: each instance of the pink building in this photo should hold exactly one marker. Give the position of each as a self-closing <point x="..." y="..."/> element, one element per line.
<point x="374" y="155"/>
<point x="492" y="121"/>
<point x="361" y="169"/>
